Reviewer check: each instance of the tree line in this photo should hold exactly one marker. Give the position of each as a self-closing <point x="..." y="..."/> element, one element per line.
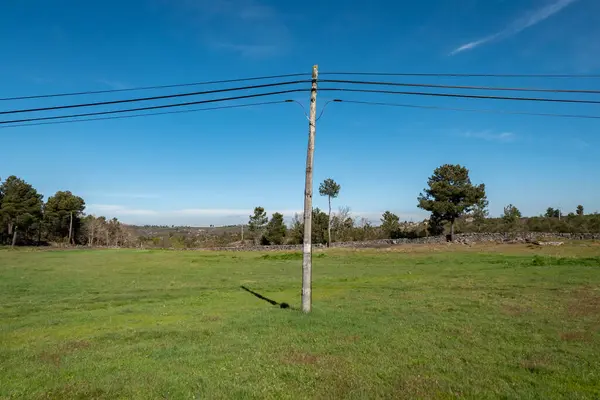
<point x="25" y="219"/>
<point x="456" y="205"/>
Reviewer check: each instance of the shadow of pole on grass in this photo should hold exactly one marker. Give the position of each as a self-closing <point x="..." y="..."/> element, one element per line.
<point x="260" y="296"/>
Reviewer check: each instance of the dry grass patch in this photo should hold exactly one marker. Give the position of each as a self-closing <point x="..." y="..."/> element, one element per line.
<point x="418" y="387"/>
<point x="576" y="336"/>
<point x="536" y="365"/>
<point x="299" y="358"/>
<point x="55" y="357"/>
<point x="585" y="303"/>
<point x="514" y="310"/>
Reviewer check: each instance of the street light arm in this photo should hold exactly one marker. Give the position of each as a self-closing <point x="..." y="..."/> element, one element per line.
<point x="325" y="105"/>
<point x="304" y="109"/>
<point x="301" y="106"/>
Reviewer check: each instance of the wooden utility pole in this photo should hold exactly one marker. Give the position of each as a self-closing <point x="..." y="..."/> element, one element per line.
<point x="242" y="233"/>
<point x="71" y="229"/>
<point x="308" y="192"/>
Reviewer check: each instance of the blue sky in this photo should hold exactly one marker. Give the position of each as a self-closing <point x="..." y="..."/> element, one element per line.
<point x="213" y="167"/>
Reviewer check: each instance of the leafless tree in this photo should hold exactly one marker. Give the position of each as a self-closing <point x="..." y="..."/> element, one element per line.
<point x="342" y="224"/>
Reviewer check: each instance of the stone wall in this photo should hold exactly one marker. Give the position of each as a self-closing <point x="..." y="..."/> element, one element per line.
<point x="523" y="237"/>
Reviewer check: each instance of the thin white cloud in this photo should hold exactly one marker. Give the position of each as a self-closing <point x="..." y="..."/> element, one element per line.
<point x="254" y="12"/>
<point x="214" y="216"/>
<point x="581" y="144"/>
<point x="120" y="210"/>
<point x="248" y="28"/>
<point x="115" y="85"/>
<point x="248" y="50"/>
<point x="112" y="210"/>
<point x="518" y="25"/>
<point x="241" y="9"/>
<point x="490" y="136"/>
<point x="224" y="212"/>
<point x="129" y="195"/>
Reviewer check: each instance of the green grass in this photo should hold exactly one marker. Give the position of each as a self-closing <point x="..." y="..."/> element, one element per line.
<point x="423" y="322"/>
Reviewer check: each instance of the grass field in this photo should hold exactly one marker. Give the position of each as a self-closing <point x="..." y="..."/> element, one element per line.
<point x="410" y="322"/>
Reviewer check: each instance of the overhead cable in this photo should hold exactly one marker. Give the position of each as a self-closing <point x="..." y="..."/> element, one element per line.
<point x="41" y="96"/>
<point x="463" y="75"/>
<point x="479" y="110"/>
<point x="248" y="96"/>
<point x="467" y="96"/>
<point x="437" y="86"/>
<point x="148" y="114"/>
<point x="169" y="96"/>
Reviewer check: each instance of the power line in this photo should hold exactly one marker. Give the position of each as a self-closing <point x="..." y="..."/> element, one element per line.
<point x="480" y="110"/>
<point x="147" y="114"/>
<point x="437" y="86"/>
<point x="169" y="96"/>
<point x="41" y="96"/>
<point x="297" y="75"/>
<point x="248" y="96"/>
<point x="468" y="96"/>
<point x="453" y="75"/>
<point x="580" y="116"/>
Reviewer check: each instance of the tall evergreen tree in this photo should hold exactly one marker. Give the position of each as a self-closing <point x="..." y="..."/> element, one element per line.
<point x="275" y="233"/>
<point x="450" y="194"/>
<point x="320" y="221"/>
<point x="257" y="223"/>
<point x="62" y="213"/>
<point x="320" y="225"/>
<point x="390" y="224"/>
<point x="21" y="206"/>
<point x="330" y="189"/>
